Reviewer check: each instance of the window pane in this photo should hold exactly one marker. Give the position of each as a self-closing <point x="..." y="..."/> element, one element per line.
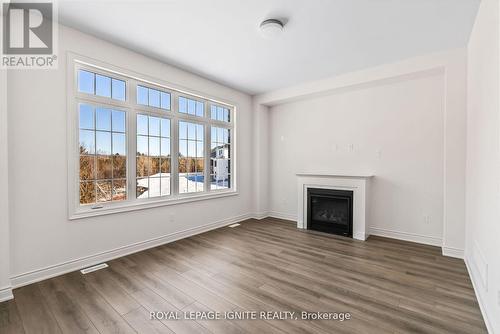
<point x="165" y="100"/>
<point x="220" y="113"/>
<point x="213" y="112"/>
<point x="142" y="125"/>
<point x="119" y="190"/>
<point x="198" y="180"/>
<point x="213" y="134"/>
<point x="104" y="167"/>
<point x="102" y="85"/>
<point x="191" y="162"/>
<point x="199" y="150"/>
<point x="149" y="165"/>
<point x="109" y="143"/>
<point x="87" y="167"/>
<point x="165" y="127"/>
<point x="165" y="186"/>
<point x="183" y="183"/>
<point x="199" y="109"/>
<point x="226" y="115"/>
<point x="142" y="145"/>
<point x="154" y="187"/>
<point x="118" y="121"/>
<point x="154" y="98"/>
<point x="225" y="133"/>
<point x="165" y="167"/>
<point x="220" y="135"/>
<point x="86" y="116"/>
<point x="154" y="126"/>
<point x="103" y="119"/>
<point x="142" y="95"/>
<point x="183" y="132"/>
<point x="119" y="145"/>
<point x="191" y="107"/>
<point x="87" y="142"/>
<point x="182" y="105"/>
<point x="199" y="132"/>
<point x="142" y="188"/>
<point x="118" y="89"/>
<point x="165" y="147"/>
<point x="119" y="166"/>
<point x="104" y="191"/>
<point x="87" y="192"/>
<point x="154" y="167"/>
<point x="142" y="166"/>
<point x="85" y="82"/>
<point x="191" y="131"/>
<point x="183" y="148"/>
<point x="191" y="149"/>
<point x="154" y="146"/>
<point x="103" y="143"/>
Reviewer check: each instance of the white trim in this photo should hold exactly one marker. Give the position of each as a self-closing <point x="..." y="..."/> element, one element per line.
<point x="151" y="204"/>
<point x="84" y="262"/>
<point x="453" y="252"/>
<point x="282" y="215"/>
<point x="4" y="190"/>
<point x="413" y="237"/>
<point x="260" y="215"/>
<point x="482" y="305"/>
<point x="6" y="294"/>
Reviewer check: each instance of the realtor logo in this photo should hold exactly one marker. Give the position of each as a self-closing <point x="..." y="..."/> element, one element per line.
<point x="28" y="32"/>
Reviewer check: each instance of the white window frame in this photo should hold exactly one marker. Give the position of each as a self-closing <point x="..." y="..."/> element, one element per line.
<point x="132" y="108"/>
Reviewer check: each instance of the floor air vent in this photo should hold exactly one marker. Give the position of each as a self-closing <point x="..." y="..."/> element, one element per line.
<point x="94" y="268"/>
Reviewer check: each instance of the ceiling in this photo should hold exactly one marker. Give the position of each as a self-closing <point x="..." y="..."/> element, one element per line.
<point x="220" y="39"/>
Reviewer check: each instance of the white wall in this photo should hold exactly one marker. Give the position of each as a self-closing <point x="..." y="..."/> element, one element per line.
<point x="5" y="292"/>
<point x="378" y="105"/>
<point x="483" y="162"/>
<point x="41" y="235"/>
<point x="393" y="130"/>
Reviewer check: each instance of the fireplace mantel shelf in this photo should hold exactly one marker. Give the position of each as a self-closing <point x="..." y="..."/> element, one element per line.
<point x="339" y="175"/>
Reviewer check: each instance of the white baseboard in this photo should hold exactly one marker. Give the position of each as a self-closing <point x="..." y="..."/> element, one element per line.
<point x="6" y="294"/>
<point x="418" y="238"/>
<point x="453" y="252"/>
<point x="260" y="215"/>
<point x="77" y="264"/>
<point x="281" y="215"/>
<point x="360" y="236"/>
<point x="476" y="285"/>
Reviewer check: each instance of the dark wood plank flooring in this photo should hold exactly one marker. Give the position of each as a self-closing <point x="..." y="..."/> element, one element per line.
<point x="388" y="286"/>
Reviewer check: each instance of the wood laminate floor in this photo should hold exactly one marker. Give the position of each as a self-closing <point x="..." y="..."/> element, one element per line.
<point x="388" y="286"/>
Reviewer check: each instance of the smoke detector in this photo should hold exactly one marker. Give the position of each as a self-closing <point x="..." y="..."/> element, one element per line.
<point x="271" y="28"/>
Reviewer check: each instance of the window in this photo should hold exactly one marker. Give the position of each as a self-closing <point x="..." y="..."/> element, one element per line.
<point x="153" y="156"/>
<point x="101" y="85"/>
<point x="191" y="157"/>
<point x="153" y="145"/>
<point x="220" y="155"/>
<point x="153" y="98"/>
<point x="191" y="107"/>
<point x="219" y="113"/>
<point x="103" y="161"/>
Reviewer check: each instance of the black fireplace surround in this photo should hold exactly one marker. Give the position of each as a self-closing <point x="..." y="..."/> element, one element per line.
<point x="330" y="211"/>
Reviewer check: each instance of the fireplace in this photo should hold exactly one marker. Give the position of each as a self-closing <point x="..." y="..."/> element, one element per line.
<point x="330" y="210"/>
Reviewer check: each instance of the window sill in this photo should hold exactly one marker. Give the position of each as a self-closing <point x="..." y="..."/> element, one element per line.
<point x="126" y="207"/>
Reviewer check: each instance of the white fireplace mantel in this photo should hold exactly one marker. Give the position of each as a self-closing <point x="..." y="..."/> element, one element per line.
<point x="357" y="183"/>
